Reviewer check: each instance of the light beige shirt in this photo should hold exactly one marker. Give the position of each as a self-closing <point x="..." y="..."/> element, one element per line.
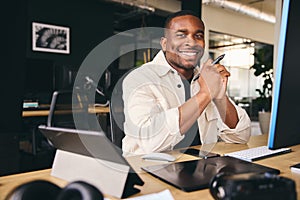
<point x="152" y="94"/>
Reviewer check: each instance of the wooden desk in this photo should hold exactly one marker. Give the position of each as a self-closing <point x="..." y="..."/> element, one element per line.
<point x="152" y="185"/>
<point x="43" y="113"/>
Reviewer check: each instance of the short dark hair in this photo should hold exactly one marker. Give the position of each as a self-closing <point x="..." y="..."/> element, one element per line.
<point x="178" y="14"/>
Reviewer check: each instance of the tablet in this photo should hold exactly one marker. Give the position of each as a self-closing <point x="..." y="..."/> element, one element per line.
<point x="196" y="174"/>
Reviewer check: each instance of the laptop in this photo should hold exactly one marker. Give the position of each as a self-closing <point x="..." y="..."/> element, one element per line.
<point x="196" y="174"/>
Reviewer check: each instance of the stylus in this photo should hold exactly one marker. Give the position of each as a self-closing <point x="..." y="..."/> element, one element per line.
<point x="216" y="61"/>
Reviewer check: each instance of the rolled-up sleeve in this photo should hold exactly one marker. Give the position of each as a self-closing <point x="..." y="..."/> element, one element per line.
<point x="241" y="133"/>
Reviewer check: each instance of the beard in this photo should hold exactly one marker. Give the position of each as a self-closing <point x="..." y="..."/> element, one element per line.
<point x="186" y="68"/>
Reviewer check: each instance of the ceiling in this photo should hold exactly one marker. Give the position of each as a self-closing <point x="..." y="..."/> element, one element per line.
<point x="129" y="17"/>
<point x="267" y="6"/>
<point x="223" y="41"/>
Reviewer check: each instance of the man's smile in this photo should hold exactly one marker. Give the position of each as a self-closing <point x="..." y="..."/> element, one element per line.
<point x="188" y="53"/>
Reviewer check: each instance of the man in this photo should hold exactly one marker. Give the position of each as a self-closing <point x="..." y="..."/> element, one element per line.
<point x="164" y="100"/>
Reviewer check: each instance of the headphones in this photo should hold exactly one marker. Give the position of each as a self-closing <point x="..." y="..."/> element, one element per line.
<point x="45" y="190"/>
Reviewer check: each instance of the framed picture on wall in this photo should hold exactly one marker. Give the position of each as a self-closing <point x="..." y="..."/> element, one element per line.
<point x="50" y="38"/>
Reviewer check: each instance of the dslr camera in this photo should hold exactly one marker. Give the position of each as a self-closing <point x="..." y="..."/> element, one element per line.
<point x="252" y="186"/>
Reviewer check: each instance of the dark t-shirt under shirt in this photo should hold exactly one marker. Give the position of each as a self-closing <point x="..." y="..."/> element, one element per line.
<point x="192" y="137"/>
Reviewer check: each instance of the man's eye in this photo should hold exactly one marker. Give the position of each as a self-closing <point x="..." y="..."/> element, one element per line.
<point x="180" y="35"/>
<point x="199" y="36"/>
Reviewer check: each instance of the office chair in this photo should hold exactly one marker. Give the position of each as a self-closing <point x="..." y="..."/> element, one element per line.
<point x="60" y="113"/>
<point x="116" y="123"/>
<point x="70" y="109"/>
<point x="117" y="117"/>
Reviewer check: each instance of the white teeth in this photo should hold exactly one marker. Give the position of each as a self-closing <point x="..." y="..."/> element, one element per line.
<point x="189" y="53"/>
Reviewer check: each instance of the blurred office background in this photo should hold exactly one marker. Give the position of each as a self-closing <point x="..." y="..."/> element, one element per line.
<point x="239" y="28"/>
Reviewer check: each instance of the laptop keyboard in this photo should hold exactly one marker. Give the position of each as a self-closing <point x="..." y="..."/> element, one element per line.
<point x="257" y="153"/>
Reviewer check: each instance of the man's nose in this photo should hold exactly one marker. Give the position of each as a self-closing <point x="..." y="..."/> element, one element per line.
<point x="190" y="40"/>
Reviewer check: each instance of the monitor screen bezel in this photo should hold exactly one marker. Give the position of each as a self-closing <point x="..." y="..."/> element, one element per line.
<point x="284" y="131"/>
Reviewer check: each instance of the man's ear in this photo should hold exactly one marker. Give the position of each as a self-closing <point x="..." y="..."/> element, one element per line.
<point x="163" y="43"/>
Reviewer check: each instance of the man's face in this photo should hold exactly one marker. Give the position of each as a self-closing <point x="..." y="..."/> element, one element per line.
<point x="183" y="43"/>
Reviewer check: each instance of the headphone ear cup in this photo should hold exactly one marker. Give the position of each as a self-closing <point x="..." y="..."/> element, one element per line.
<point x="35" y="190"/>
<point x="80" y="190"/>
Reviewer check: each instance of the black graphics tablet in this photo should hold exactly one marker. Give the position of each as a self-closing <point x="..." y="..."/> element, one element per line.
<point x="196" y="174"/>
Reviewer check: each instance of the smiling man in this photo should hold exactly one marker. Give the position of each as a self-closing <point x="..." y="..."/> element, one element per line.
<point x="165" y="107"/>
<point x="183" y="43"/>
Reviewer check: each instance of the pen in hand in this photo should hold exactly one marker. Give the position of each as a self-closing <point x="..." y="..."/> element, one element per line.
<point x="216" y="61"/>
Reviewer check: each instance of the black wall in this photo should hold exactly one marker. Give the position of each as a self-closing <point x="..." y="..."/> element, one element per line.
<point x="12" y="54"/>
<point x="90" y="22"/>
<point x="12" y="64"/>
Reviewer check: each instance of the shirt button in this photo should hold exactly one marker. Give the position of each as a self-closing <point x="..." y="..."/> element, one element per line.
<point x="179" y="86"/>
<point x="172" y="72"/>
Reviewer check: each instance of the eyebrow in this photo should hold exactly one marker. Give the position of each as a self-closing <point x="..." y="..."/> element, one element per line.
<point x="185" y="30"/>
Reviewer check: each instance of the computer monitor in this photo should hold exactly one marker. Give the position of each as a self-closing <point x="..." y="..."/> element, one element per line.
<point x="285" y="123"/>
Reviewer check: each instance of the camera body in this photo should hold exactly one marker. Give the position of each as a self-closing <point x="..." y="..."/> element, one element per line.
<point x="252" y="186"/>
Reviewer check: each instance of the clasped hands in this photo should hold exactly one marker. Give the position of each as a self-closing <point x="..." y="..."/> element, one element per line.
<point x="213" y="80"/>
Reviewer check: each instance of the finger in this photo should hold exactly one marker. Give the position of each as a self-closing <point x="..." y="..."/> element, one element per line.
<point x="223" y="71"/>
<point x="220" y="67"/>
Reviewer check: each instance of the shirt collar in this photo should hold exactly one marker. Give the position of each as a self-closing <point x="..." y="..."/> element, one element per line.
<point x="162" y="67"/>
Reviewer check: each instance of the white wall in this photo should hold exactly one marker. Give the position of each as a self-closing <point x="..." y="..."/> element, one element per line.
<point x="230" y="22"/>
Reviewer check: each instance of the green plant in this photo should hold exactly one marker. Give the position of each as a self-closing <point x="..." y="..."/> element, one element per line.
<point x="263" y="66"/>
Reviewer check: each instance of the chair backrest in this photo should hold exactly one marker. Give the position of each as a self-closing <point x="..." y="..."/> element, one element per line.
<point x="116" y="124"/>
<point x="61" y="101"/>
<point x="117" y="117"/>
<point x="68" y="106"/>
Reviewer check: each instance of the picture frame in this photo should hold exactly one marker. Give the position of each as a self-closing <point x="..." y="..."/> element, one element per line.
<point x="50" y="38"/>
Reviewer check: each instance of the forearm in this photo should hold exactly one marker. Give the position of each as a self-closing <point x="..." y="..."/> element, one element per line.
<point x="227" y="112"/>
<point x="191" y="110"/>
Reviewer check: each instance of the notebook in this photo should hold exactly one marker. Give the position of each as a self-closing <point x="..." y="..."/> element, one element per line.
<point x="196" y="174"/>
